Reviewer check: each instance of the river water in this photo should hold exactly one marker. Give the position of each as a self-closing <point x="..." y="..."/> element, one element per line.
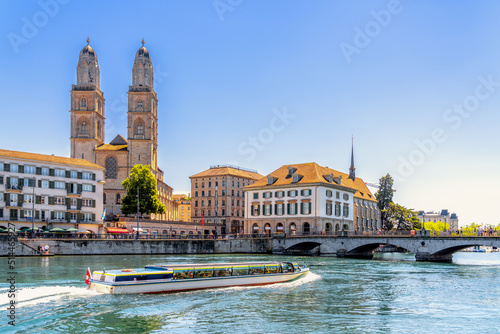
<point x="390" y="294"/>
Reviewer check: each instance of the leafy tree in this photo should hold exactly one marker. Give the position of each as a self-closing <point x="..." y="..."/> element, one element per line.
<point x="384" y="197"/>
<point x="401" y="217"/>
<point x="415" y="222"/>
<point x="142" y="178"/>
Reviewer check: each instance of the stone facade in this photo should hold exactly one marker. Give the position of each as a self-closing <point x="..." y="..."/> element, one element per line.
<point x="184" y="207"/>
<point x="442" y="216"/>
<point x="120" y="155"/>
<point x="217" y="196"/>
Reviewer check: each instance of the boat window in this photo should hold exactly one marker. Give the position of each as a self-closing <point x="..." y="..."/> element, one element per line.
<point x="220" y="272"/>
<point x="272" y="269"/>
<point x="256" y="270"/>
<point x="183" y="273"/>
<point x="200" y="273"/>
<point x="238" y="271"/>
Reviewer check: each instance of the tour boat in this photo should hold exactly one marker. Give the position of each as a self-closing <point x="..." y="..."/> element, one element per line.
<point x="184" y="277"/>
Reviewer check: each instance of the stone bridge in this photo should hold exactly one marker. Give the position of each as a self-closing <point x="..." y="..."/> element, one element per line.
<point x="425" y="248"/>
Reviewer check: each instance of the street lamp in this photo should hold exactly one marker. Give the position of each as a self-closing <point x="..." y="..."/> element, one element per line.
<point x="33" y="212"/>
<point x="137" y="232"/>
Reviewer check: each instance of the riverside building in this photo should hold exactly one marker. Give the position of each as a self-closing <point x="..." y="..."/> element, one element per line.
<point x="120" y="155"/>
<point x="304" y="199"/>
<point x="442" y="216"/>
<point x="217" y="196"/>
<point x="56" y="191"/>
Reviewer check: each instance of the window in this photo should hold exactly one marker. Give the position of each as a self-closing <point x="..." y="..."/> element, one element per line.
<point x="1" y="197"/>
<point x="104" y="198"/>
<point x="73" y="174"/>
<point x="255" y="210"/>
<point x="139" y="104"/>
<point x="59" y="185"/>
<point x="209" y="184"/>
<point x="255" y="195"/>
<point x="196" y="203"/>
<point x="337" y="209"/>
<point x="83" y="128"/>
<point x="202" y="202"/>
<point x="267" y="194"/>
<point x="346" y="210"/>
<point x="346" y="197"/>
<point x="72" y="216"/>
<point x="223" y="183"/>
<point x="28" y="214"/>
<point x="87" y="176"/>
<point x="111" y="168"/>
<point x="117" y="199"/>
<point x="59" y="201"/>
<point x="306" y="192"/>
<point x="86" y="187"/>
<point x="1" y="167"/>
<point x="329" y="193"/>
<point x="196" y="185"/>
<point x="203" y="193"/>
<point x="203" y="184"/>
<point x="87" y="203"/>
<point x="59" y="215"/>
<point x="83" y="102"/>
<point x="329" y="208"/>
<point x="30" y="170"/>
<point x="232" y="183"/>
<point x="195" y="194"/>
<point x="45" y="184"/>
<point x="45" y="171"/>
<point x="87" y="217"/>
<point x="140" y="128"/>
<point x="13" y="199"/>
<point x="338" y="195"/>
<point x="306" y="208"/>
<point x="59" y="173"/>
<point x="28" y="198"/>
<point x="293" y="208"/>
<point x="279" y="209"/>
<point x="292" y="193"/>
<point x="267" y="210"/>
<point x="232" y="192"/>
<point x="13" y="168"/>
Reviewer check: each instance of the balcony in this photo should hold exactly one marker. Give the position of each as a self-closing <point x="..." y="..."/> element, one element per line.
<point x="16" y="188"/>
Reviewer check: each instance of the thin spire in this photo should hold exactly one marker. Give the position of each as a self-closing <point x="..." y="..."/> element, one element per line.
<point x="352" y="169"/>
<point x="88" y="40"/>
<point x="142" y="41"/>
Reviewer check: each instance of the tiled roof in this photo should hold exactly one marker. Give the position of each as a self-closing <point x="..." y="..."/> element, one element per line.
<point x="47" y="158"/>
<point x="223" y="171"/>
<point x="110" y="147"/>
<point x="310" y="173"/>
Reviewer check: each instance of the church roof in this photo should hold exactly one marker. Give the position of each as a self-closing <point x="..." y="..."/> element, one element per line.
<point x="47" y="158"/>
<point x="109" y="147"/>
<point x="310" y="173"/>
<point x="119" y="140"/>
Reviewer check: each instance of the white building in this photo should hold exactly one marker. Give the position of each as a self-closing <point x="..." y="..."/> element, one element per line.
<point x="63" y="192"/>
<point x="308" y="199"/>
<point x="443" y="216"/>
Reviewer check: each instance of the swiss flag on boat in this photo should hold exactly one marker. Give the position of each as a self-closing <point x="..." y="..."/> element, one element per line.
<point x="87" y="278"/>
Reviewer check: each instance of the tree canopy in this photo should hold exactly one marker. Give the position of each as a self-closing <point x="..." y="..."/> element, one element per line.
<point x="384" y="197"/>
<point x="402" y="218"/>
<point x="142" y="178"/>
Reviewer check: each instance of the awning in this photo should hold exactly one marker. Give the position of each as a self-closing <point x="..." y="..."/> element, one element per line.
<point x="280" y="227"/>
<point x="116" y="230"/>
<point x="255" y="227"/>
<point x="135" y="229"/>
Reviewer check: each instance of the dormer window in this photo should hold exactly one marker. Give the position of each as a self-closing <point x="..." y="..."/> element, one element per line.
<point x="296" y="178"/>
<point x="329" y="178"/>
<point x="271" y="179"/>
<point x="291" y="170"/>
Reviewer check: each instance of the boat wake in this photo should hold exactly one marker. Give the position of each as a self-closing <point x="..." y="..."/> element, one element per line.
<point x="310" y="277"/>
<point x="43" y="294"/>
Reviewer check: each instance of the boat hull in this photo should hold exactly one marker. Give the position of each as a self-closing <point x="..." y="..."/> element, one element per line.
<point x="170" y="285"/>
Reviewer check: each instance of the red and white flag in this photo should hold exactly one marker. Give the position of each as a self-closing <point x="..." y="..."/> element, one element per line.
<point x="87" y="278"/>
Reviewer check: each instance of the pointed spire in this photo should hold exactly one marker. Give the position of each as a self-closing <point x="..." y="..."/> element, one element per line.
<point x="352" y="169"/>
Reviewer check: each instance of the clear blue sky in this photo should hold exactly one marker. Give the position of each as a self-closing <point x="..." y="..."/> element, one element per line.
<point x="388" y="73"/>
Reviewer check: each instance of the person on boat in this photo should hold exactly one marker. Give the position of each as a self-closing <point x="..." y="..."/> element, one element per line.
<point x="46" y="249"/>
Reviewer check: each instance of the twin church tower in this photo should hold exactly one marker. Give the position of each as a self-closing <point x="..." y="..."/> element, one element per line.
<point x="120" y="155"/>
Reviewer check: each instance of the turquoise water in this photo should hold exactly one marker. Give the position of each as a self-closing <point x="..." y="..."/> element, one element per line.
<point x="391" y="294"/>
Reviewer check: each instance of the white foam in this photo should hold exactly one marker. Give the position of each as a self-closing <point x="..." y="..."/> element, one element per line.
<point x="43" y="294"/>
<point x="310" y="277"/>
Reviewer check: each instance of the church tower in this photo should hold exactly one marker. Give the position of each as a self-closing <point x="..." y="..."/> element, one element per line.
<point x="87" y="107"/>
<point x="352" y="169"/>
<point x="142" y="113"/>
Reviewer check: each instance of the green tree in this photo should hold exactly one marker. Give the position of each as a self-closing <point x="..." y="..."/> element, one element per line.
<point x="384" y="197"/>
<point x="415" y="222"/>
<point x="401" y="217"/>
<point x="142" y="178"/>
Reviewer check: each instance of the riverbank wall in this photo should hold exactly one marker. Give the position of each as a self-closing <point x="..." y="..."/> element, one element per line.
<point x="27" y="247"/>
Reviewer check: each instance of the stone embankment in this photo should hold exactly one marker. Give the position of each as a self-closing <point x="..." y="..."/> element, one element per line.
<point x="27" y="247"/>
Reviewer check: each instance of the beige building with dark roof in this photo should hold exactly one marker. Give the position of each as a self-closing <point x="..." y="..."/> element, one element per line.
<point x="217" y="196"/>
<point x="120" y="155"/>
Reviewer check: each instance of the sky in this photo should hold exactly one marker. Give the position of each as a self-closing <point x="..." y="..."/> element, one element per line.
<point x="261" y="84"/>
